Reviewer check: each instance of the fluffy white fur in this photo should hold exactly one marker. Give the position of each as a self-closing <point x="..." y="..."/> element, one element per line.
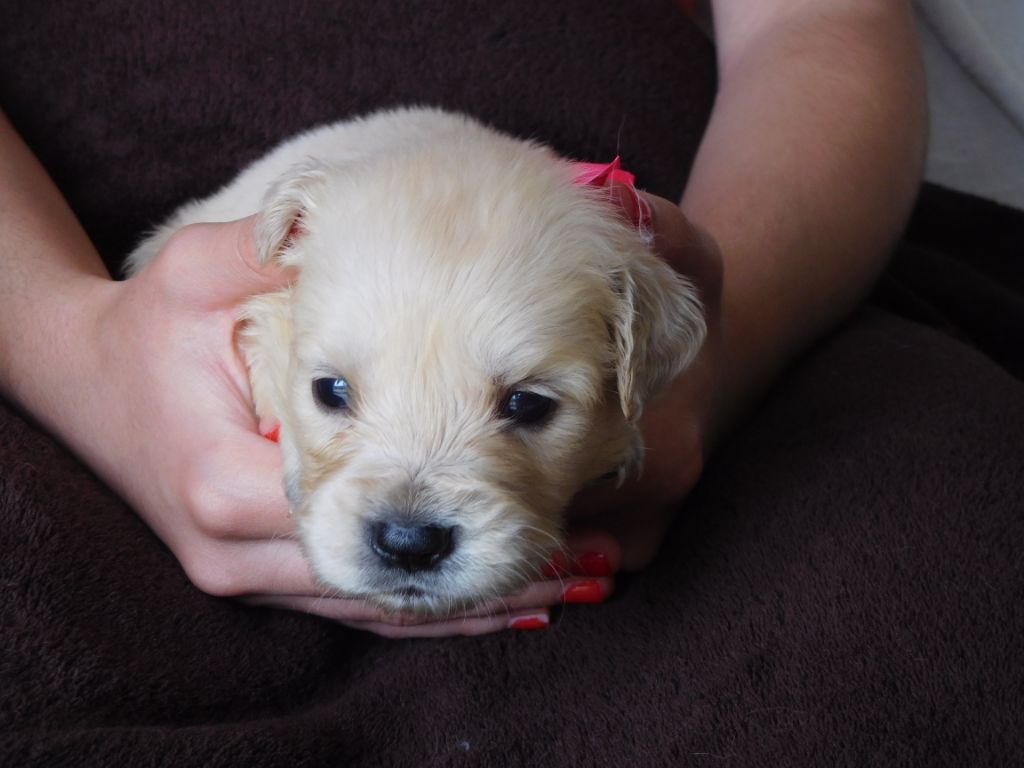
<point x="442" y="265"/>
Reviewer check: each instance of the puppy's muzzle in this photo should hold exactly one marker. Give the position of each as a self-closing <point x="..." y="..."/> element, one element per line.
<point x="409" y="546"/>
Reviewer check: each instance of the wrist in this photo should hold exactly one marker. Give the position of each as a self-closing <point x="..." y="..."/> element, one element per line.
<point x="50" y="357"/>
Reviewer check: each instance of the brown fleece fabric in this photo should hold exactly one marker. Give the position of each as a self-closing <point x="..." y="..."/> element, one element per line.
<point x="844" y="587"/>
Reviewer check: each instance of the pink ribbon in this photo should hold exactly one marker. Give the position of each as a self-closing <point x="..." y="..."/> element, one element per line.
<point x="613" y="176"/>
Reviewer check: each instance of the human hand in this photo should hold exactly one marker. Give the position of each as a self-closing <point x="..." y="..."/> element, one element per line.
<point x="678" y="425"/>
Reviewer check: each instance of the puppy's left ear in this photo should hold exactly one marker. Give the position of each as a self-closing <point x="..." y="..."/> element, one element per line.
<point x="290" y="200"/>
<point x="658" y="329"/>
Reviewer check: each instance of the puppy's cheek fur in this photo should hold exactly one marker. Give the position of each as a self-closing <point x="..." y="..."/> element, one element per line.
<point x="322" y="463"/>
<point x="616" y="445"/>
<point x="293" y="486"/>
<point x="265" y="340"/>
<point x="560" y="461"/>
<point x="503" y="554"/>
<point x="333" y="535"/>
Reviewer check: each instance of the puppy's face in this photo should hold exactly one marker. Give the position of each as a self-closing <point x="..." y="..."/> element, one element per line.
<point x="470" y="339"/>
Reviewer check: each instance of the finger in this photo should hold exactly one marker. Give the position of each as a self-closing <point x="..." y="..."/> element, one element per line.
<point x="235" y="492"/>
<point x="559" y="590"/>
<point x="529" y="620"/>
<point x="688" y="248"/>
<point x="322" y="603"/>
<point x="302" y="595"/>
<point x="595" y="553"/>
<point x="217" y="264"/>
<point x="673" y="229"/>
<point x="638" y="527"/>
<point x="585" y="553"/>
<point x="362" y="615"/>
<point x="594" y="501"/>
<point x="336" y="608"/>
<point x="251" y="568"/>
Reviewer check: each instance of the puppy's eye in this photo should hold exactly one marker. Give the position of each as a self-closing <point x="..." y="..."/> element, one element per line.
<point x="526" y="407"/>
<point x="332" y="393"/>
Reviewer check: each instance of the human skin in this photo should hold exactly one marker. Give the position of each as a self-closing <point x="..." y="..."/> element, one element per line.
<point x="804" y="178"/>
<point x="803" y="190"/>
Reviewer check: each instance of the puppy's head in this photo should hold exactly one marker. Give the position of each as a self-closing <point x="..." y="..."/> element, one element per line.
<point x="470" y="340"/>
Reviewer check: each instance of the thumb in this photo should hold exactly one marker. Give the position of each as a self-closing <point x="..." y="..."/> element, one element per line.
<point x="216" y="265"/>
<point x="687" y="247"/>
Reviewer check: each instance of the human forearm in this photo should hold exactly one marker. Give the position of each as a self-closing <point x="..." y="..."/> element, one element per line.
<point x="51" y="275"/>
<point x="806" y="173"/>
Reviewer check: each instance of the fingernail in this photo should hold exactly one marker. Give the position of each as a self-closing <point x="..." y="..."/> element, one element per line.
<point x="557" y="566"/>
<point x="593" y="564"/>
<point x="587" y="591"/>
<point x="539" y="621"/>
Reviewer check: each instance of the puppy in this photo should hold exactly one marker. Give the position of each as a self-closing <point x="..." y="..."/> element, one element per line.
<point x="471" y="339"/>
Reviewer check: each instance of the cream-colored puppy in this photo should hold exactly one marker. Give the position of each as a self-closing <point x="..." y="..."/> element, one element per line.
<point x="470" y="340"/>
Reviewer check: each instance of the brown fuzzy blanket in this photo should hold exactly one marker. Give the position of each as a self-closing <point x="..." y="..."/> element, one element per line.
<point x="844" y="587"/>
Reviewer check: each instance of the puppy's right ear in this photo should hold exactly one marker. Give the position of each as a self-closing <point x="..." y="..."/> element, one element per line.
<point x="288" y="202"/>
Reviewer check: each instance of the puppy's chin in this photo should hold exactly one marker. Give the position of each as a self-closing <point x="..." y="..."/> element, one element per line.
<point x="441" y="599"/>
<point x="498" y="547"/>
<point x="414" y="602"/>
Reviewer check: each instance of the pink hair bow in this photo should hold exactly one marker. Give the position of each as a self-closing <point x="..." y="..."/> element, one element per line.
<point x="613" y="176"/>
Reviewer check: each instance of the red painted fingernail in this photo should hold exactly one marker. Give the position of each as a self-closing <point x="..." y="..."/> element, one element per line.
<point x="587" y="591"/>
<point x="529" y="622"/>
<point x="593" y="564"/>
<point x="557" y="566"/>
<point x="274" y="434"/>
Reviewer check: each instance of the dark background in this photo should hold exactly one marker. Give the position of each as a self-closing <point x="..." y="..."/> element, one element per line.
<point x="844" y="587"/>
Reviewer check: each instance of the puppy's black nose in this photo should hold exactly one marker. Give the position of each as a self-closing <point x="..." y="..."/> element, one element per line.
<point x="411" y="547"/>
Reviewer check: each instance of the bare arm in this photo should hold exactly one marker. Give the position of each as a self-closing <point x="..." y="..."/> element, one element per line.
<point x="804" y="179"/>
<point x="807" y="172"/>
<point x="46" y="255"/>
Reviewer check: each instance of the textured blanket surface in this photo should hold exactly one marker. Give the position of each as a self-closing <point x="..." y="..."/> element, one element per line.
<point x="844" y="587"/>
